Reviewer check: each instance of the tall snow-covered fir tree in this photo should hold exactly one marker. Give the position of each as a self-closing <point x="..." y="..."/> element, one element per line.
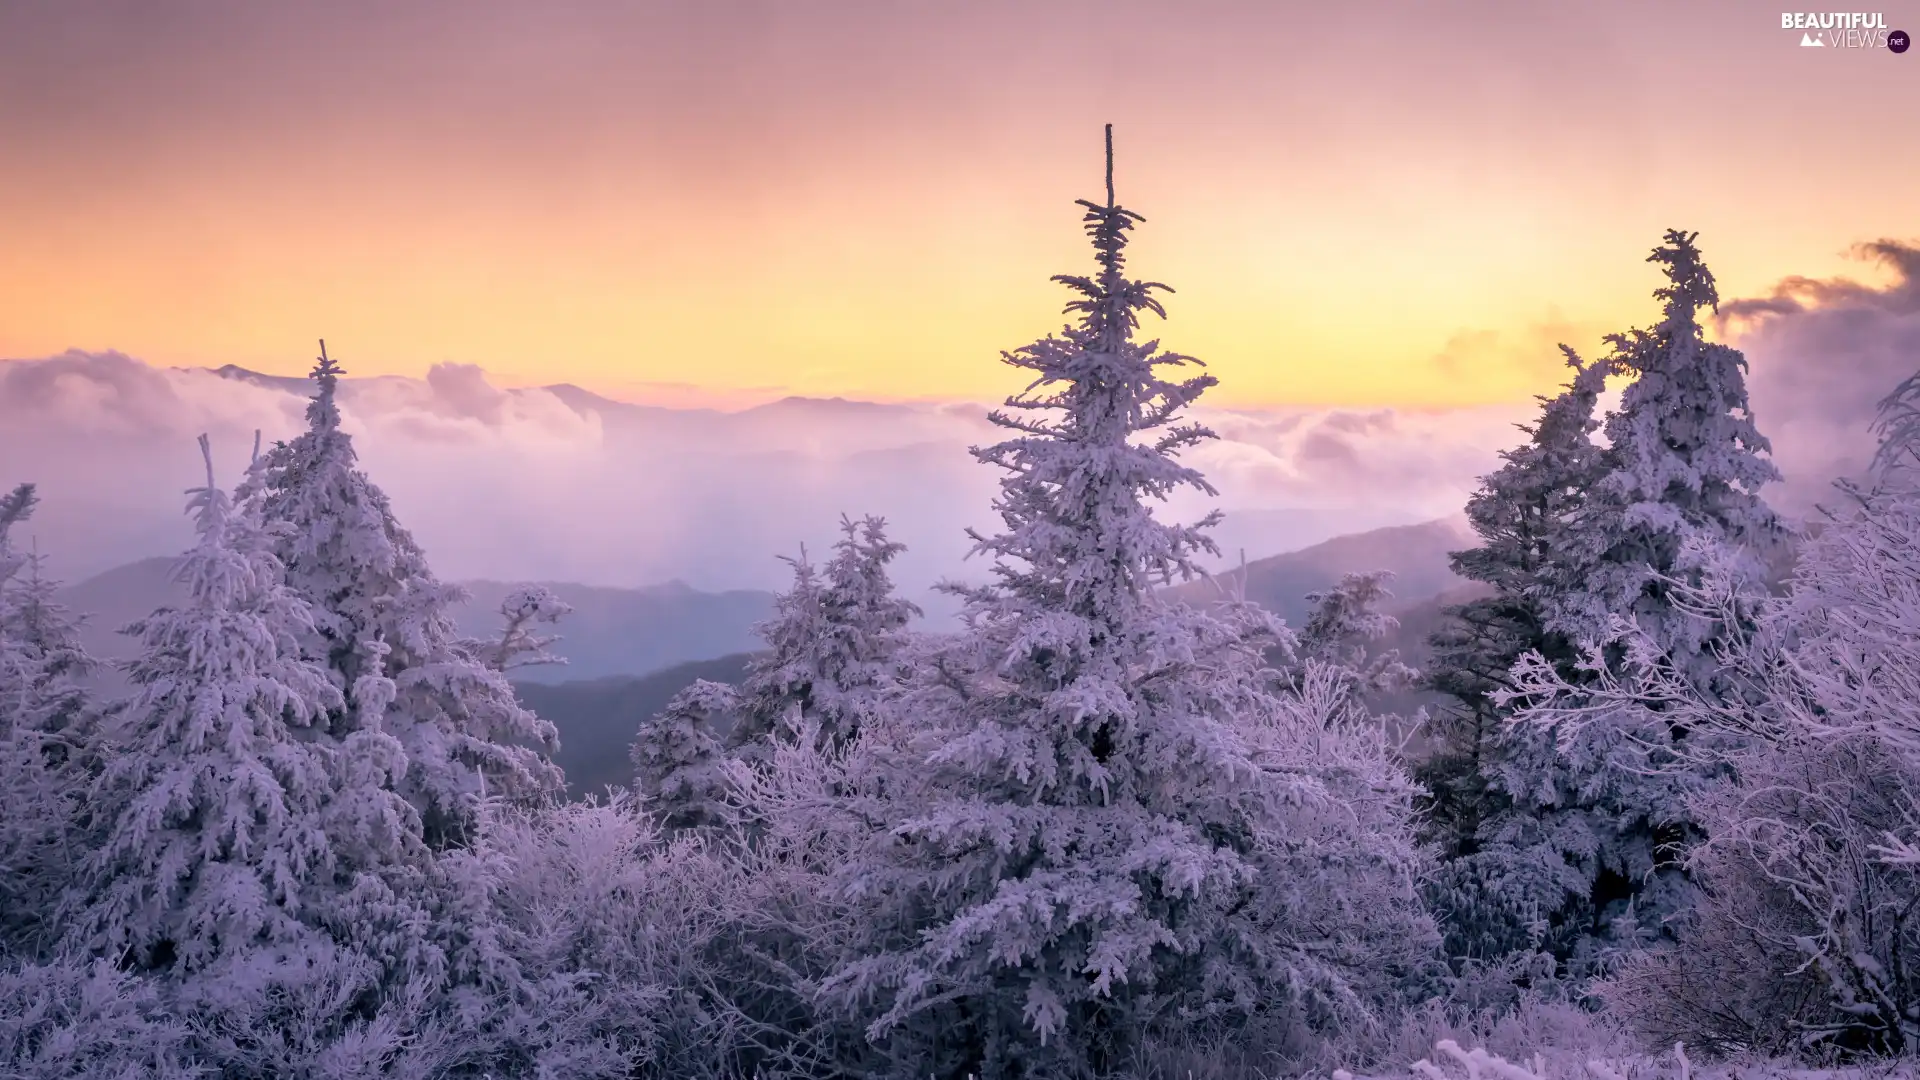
<point x="1596" y="813"/>
<point x="1802" y="934"/>
<point x="833" y="643"/>
<point x="44" y="722"/>
<point x="1684" y="461"/>
<point x="1521" y="514"/>
<point x="383" y="626"/>
<point x="220" y="788"/>
<point x="1086" y="872"/>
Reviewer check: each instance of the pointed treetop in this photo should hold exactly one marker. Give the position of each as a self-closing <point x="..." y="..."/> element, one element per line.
<point x="16" y="506"/>
<point x="1109" y="165"/>
<point x="1690" y="284"/>
<point x="323" y="414"/>
<point x="1111" y="301"/>
<point x="206" y="457"/>
<point x="1589" y="376"/>
<point x="1566" y="419"/>
<point x="1108" y="226"/>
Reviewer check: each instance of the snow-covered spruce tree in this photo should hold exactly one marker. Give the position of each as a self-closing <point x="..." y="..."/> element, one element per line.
<point x="1084" y="875"/>
<point x="44" y="725"/>
<point x="1489" y="903"/>
<point x="1598" y="810"/>
<point x="384" y="628"/>
<point x="678" y="758"/>
<point x="216" y="787"/>
<point x="43" y="693"/>
<point x="1684" y="461"/>
<point x="1805" y="934"/>
<point x="833" y="644"/>
<point x="1339" y="635"/>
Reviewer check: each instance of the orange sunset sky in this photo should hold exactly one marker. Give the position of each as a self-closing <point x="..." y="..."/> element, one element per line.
<point x="1391" y="203"/>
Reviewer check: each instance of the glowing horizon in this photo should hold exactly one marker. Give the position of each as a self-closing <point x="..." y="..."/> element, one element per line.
<point x="1403" y="207"/>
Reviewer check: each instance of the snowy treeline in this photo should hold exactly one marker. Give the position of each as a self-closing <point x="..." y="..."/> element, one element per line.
<point x="1095" y="832"/>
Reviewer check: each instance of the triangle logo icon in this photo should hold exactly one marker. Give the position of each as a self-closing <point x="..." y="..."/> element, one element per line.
<point x="1810" y="40"/>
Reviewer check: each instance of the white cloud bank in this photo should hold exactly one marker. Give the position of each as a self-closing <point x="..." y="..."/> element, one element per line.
<point x="560" y="484"/>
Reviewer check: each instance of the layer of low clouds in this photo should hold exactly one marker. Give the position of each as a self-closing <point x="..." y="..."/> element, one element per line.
<point x="558" y="484"/>
<point x="1823" y="354"/>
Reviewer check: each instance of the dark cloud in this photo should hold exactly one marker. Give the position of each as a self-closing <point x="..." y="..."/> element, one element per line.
<point x="1823" y="353"/>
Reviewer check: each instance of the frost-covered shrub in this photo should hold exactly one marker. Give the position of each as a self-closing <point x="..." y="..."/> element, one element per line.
<point x="1804" y="939"/>
<point x="552" y="920"/>
<point x="585" y="943"/>
<point x="1336" y="910"/>
<point x="84" y="1020"/>
<point x="1540" y="1024"/>
<point x="1807" y="931"/>
<point x="317" y="1012"/>
<point x="780" y="919"/>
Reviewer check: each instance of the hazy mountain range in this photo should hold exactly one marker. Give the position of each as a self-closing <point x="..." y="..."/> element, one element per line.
<point x="610" y="632"/>
<point x="1415" y="554"/>
<point x="630" y="650"/>
<point x="597" y="718"/>
<point x="618" y="631"/>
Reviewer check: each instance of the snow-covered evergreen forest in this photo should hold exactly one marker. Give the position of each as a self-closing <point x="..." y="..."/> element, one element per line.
<point x="1663" y="823"/>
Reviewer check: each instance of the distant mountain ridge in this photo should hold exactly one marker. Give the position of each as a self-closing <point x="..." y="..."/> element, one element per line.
<point x="292" y="384"/>
<point x="630" y="650"/>
<point x="1418" y="556"/>
<point x="629" y="631"/>
<point x="598" y="719"/>
<point x="584" y="401"/>
<point x="611" y="631"/>
<point x="569" y="483"/>
<point x="637" y="631"/>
